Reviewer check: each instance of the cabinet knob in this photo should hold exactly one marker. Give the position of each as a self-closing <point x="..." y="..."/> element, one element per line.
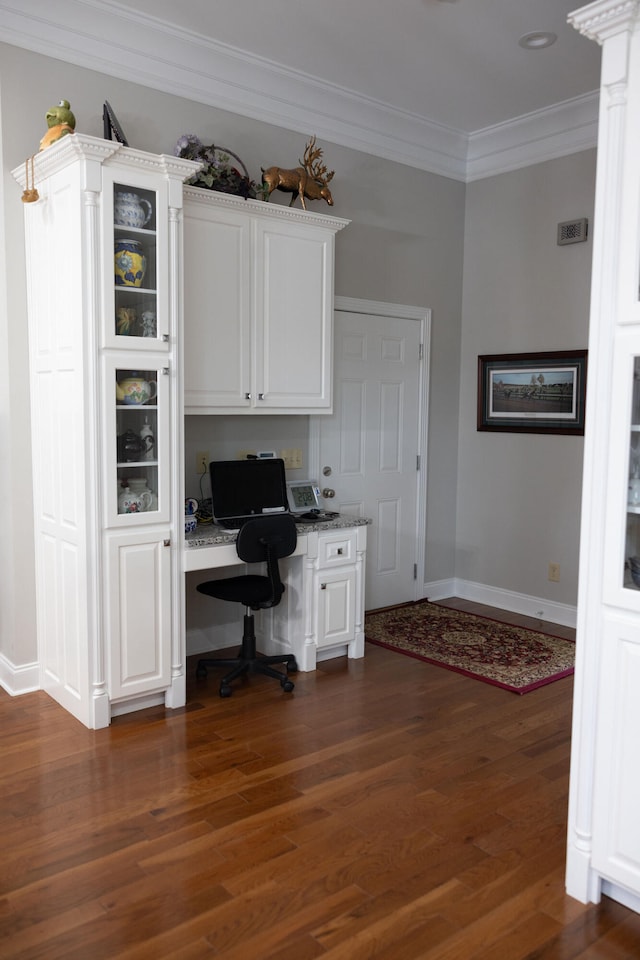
<point x="165" y="371"/>
<point x="323" y="586"/>
<point x="165" y="337"/>
<point x="247" y="396"/>
<point x="261" y="396"/>
<point x="167" y="543"/>
<point x="339" y="551"/>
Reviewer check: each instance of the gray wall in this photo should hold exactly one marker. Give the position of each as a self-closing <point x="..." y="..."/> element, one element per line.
<point x="404" y="245"/>
<point x="519" y="494"/>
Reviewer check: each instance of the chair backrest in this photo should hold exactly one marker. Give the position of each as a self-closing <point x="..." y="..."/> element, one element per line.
<point x="268" y="538"/>
<point x="274" y="534"/>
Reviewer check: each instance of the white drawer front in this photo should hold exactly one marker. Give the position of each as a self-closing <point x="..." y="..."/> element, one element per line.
<point x="336" y="548"/>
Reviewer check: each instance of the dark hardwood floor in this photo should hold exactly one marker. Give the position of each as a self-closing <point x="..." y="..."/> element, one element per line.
<point x="387" y="809"/>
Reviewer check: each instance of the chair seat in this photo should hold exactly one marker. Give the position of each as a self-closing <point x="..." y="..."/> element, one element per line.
<point x="251" y="590"/>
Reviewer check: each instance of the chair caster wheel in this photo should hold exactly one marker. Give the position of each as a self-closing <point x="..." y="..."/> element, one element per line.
<point x="225" y="690"/>
<point x="287" y="686"/>
<point x="201" y="673"/>
<point x="292" y="668"/>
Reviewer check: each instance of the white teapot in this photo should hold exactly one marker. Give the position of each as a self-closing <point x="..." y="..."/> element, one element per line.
<point x="139" y="488"/>
<point x="130" y="210"/>
<point x="131" y="502"/>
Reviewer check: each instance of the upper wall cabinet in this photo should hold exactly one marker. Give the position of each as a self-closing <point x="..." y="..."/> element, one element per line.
<point x="258" y="320"/>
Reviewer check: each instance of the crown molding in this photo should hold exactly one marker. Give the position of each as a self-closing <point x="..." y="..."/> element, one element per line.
<point x="604" y="18"/>
<point x="557" y="131"/>
<point x="102" y="35"/>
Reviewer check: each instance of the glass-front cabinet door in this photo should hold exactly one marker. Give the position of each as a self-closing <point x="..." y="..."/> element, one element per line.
<point x="136" y="295"/>
<point x="137" y="441"/>
<point x="632" y="546"/>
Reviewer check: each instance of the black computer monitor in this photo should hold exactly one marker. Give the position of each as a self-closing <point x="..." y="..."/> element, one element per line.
<point x="247" y="488"/>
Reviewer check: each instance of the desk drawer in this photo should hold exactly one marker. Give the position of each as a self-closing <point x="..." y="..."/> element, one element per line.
<point x="336" y="548"/>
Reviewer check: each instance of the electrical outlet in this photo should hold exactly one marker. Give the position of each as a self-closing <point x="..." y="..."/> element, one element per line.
<point x="554" y="572"/>
<point x="202" y="461"/>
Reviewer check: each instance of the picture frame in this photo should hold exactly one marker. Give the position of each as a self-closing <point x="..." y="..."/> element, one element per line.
<point x="111" y="127"/>
<point x="532" y="392"/>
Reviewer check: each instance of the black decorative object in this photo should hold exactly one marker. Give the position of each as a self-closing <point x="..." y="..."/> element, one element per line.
<point x="111" y="128"/>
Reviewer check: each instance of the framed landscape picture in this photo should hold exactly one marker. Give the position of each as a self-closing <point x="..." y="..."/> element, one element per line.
<point x="532" y="392"/>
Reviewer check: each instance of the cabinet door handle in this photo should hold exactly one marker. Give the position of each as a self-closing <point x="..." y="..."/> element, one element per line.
<point x="165" y="371"/>
<point x="339" y="551"/>
<point x="165" y="337"/>
<point x="247" y="396"/>
<point x="167" y="543"/>
<point x="261" y="396"/>
<point x="323" y="586"/>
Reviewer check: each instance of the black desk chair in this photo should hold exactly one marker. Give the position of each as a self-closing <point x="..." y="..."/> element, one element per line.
<point x="263" y="539"/>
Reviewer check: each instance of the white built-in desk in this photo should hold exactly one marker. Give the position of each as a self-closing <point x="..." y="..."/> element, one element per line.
<point x="321" y="613"/>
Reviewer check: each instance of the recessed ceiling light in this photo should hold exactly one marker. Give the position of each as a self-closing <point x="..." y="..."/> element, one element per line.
<point x="537" y="40"/>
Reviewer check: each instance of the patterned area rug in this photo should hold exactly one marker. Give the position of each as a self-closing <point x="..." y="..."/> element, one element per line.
<point x="513" y="658"/>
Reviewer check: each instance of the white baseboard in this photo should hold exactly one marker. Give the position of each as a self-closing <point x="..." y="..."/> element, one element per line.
<point x="17" y="680"/>
<point x="123" y="707"/>
<point x="522" y="603"/>
<point x="621" y="895"/>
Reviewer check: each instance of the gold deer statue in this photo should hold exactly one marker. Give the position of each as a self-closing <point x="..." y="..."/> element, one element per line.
<point x="309" y="180"/>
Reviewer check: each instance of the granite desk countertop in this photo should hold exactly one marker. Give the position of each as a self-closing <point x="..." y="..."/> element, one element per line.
<point x="208" y="534"/>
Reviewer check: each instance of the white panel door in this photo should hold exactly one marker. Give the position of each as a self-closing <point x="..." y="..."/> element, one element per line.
<point x="139" y="612"/>
<point x="616" y="825"/>
<point x="372" y="442"/>
<point x="217" y="308"/>
<point x="293" y="316"/>
<point x="336" y="606"/>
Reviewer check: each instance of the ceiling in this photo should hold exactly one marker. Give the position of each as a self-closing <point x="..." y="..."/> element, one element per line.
<point x="441" y="78"/>
<point x="456" y="63"/>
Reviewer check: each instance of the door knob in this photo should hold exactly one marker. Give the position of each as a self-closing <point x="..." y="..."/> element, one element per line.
<point x="328" y="493"/>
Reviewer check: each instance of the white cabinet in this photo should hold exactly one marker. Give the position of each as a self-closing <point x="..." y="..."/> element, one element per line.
<point x="258" y="290"/>
<point x="138" y="612"/>
<point x="603" y="852"/>
<point x="336" y="607"/>
<point x="103" y="247"/>
<point x="338" y="589"/>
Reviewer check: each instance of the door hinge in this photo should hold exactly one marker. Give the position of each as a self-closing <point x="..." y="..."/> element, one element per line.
<point x="415" y="571"/>
<point x="421" y="351"/>
<point x="417" y="461"/>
